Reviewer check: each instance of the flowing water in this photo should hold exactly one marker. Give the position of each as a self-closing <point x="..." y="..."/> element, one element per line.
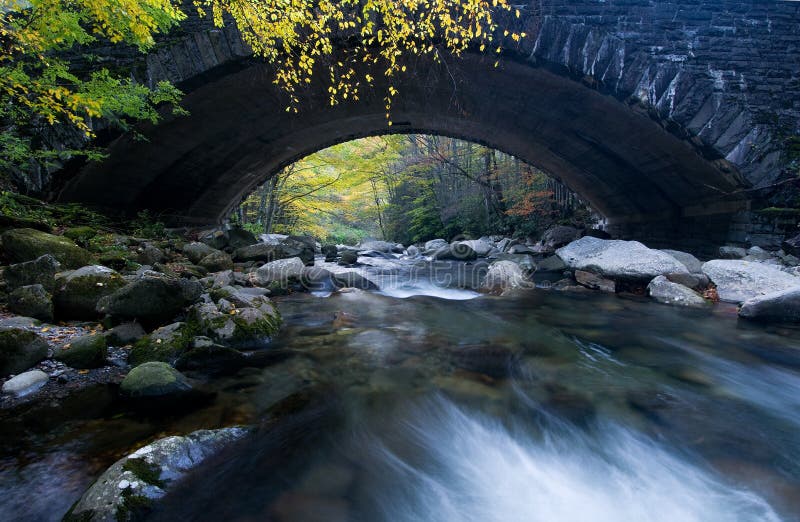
<point x="428" y="402"/>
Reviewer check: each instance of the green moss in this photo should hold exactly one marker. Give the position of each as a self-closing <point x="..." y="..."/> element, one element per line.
<point x="148" y="349"/>
<point x="80" y="235"/>
<point x="149" y="473"/>
<point x="266" y="327"/>
<point x="133" y="507"/>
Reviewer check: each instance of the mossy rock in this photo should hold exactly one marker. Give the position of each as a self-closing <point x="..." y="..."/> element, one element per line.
<point x="27" y="244"/>
<point x="87" y="351"/>
<point x="40" y="271"/>
<point x="166" y="344"/>
<point x="20" y="350"/>
<point x="31" y="301"/>
<point x="154" y="379"/>
<point x="78" y="293"/>
<point x="217" y="262"/>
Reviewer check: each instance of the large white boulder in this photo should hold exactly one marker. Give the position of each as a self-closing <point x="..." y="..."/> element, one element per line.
<point x="737" y="280"/>
<point x="617" y="259"/>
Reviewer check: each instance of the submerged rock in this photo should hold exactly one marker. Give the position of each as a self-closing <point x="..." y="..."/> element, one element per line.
<point x="20" y="350"/>
<point x="738" y="281"/>
<point x="619" y="259"/>
<point x="27" y="244"/>
<point x="665" y="291"/>
<point x="781" y="307"/>
<point x="131" y="485"/>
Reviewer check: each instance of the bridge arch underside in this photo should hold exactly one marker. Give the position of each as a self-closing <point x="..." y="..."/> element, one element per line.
<point x="646" y="180"/>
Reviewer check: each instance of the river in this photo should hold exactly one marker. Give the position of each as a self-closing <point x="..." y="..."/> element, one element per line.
<point x="429" y="402"/>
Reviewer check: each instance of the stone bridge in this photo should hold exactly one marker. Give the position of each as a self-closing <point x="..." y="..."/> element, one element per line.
<point x="664" y="115"/>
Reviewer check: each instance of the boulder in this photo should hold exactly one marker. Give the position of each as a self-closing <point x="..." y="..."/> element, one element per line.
<point x="558" y="236"/>
<point x="151" y="299"/>
<point x="665" y="291"/>
<point x="87" y="351"/>
<point x="330" y="252"/>
<point x="352" y="279"/>
<point x="433" y="245"/>
<point x="551" y="264"/>
<point x="78" y="292"/>
<point x="412" y="251"/>
<point x="20" y="350"/>
<point x="41" y="271"/>
<point x="31" y="301"/>
<point x="595" y="282"/>
<point x="150" y="255"/>
<point x="165" y="344"/>
<point x="732" y="252"/>
<point x="737" y="280"/>
<point x="502" y="276"/>
<point x="239" y="237"/>
<point x="287" y="248"/>
<point x="131" y="486"/>
<point x="217" y="261"/>
<point x="211" y="358"/>
<point x="348" y="257"/>
<point x="216" y="239"/>
<point x="25" y="383"/>
<point x="757" y="253"/>
<point x="196" y="251"/>
<point x="792" y="245"/>
<point x="782" y="306"/>
<point x="27" y="244"/>
<point x="692" y="264"/>
<point x="481" y="247"/>
<point x="280" y="271"/>
<point x="152" y="380"/>
<point x="272" y="239"/>
<point x="249" y="327"/>
<point x="617" y="259"/>
<point x="455" y="252"/>
<point x="125" y="333"/>
<point x="695" y="281"/>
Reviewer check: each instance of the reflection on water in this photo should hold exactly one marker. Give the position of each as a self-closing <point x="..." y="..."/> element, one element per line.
<point x="538" y="406"/>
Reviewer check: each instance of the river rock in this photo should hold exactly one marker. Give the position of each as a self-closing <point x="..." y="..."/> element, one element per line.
<point x="692" y="264"/>
<point x="737" y="280"/>
<point x="164" y="344"/>
<point x="41" y="271"/>
<point x="781" y="307"/>
<point x="617" y="259"/>
<point x="558" y="236"/>
<point x="594" y="281"/>
<point x="502" y="276"/>
<point x="456" y="252"/>
<point x="27" y="244"/>
<point x="154" y="379"/>
<point x="78" y="292"/>
<point x="215" y="238"/>
<point x="378" y="246"/>
<point x="31" y="301"/>
<point x="196" y="251"/>
<point x="150" y="299"/>
<point x="217" y="261"/>
<point x="250" y="327"/>
<point x="150" y="255"/>
<point x="125" y="333"/>
<point x="87" y="351"/>
<point x="433" y="245"/>
<point x="25" y="383"/>
<point x="238" y="237"/>
<point x="330" y="252"/>
<point x="695" y="281"/>
<point x="757" y="253"/>
<point x="521" y="249"/>
<point x="412" y="251"/>
<point x="20" y="350"/>
<point x="352" y="279"/>
<point x="481" y="247"/>
<point x="665" y="291"/>
<point x="211" y="358"/>
<point x="792" y="245"/>
<point x="134" y="483"/>
<point x="551" y="264"/>
<point x="732" y="252"/>
<point x="289" y="247"/>
<point x="348" y="257"/>
<point x="280" y="271"/>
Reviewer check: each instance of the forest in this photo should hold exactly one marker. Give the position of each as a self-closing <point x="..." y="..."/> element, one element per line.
<point x="410" y="188"/>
